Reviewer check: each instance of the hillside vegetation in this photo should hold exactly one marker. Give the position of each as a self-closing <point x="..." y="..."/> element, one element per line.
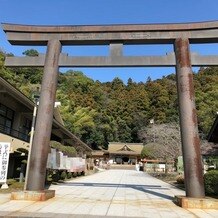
<point x="113" y="111"/>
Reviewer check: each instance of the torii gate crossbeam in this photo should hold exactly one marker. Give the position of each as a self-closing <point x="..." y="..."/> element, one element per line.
<point x="180" y="35"/>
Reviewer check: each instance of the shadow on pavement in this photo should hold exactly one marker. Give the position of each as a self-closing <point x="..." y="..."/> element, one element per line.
<point x="144" y="188"/>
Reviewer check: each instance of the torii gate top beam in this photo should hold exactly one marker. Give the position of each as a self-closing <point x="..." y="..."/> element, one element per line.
<point x="202" y="32"/>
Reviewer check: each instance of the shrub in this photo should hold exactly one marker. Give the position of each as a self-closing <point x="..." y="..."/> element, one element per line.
<point x="17" y="185"/>
<point x="63" y="175"/>
<point x="74" y="174"/>
<point x="11" y="181"/>
<point x="55" y="176"/>
<point x="49" y="174"/>
<point x="69" y="175"/>
<point x="180" y="179"/>
<point x="67" y="150"/>
<point x="211" y="182"/>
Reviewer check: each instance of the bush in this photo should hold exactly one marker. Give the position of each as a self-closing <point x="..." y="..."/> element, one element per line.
<point x="49" y="174"/>
<point x="67" y="150"/>
<point x="55" y="176"/>
<point x="74" y="174"/>
<point x="11" y="181"/>
<point x="69" y="175"/>
<point x="211" y="182"/>
<point x="17" y="185"/>
<point x="63" y="175"/>
<point x="180" y="179"/>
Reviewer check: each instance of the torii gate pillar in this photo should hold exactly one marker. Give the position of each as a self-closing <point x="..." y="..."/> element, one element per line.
<point x="194" y="183"/>
<point x="40" y="146"/>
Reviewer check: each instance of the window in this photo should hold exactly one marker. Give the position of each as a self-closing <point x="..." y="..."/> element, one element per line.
<point x="6" y="119"/>
<point x="3" y="110"/>
<point x="27" y="126"/>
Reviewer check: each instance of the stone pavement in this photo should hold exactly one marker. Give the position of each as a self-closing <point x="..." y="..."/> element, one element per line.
<point x="112" y="193"/>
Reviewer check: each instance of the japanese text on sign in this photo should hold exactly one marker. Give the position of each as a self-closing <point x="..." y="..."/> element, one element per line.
<point x="4" y="160"/>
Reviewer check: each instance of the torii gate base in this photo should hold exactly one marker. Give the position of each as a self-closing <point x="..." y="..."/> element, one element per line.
<point x="197" y="203"/>
<point x="33" y="195"/>
<point x="54" y="37"/>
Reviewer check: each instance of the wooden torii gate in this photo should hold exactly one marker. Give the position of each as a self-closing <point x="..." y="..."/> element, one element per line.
<point x="54" y="37"/>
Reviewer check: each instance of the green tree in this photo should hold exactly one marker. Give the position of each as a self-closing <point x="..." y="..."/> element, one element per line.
<point x="114" y="111"/>
<point x="31" y="53"/>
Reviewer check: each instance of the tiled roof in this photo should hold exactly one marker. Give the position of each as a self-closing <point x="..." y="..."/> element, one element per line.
<point x="125" y="148"/>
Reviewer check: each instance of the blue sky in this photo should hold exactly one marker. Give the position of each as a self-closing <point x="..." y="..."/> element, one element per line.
<point x="97" y="12"/>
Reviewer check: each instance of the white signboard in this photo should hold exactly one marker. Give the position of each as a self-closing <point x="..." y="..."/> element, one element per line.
<point x="49" y="161"/>
<point x="4" y="160"/>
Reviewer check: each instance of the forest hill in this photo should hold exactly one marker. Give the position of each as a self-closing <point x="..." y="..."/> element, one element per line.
<point x="113" y="111"/>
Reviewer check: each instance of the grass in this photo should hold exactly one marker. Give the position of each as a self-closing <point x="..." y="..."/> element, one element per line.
<point x="13" y="185"/>
<point x="170" y="178"/>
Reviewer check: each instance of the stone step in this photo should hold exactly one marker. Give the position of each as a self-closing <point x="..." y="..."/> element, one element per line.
<point x="122" y="167"/>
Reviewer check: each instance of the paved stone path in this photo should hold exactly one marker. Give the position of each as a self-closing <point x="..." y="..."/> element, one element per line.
<point x="112" y="193"/>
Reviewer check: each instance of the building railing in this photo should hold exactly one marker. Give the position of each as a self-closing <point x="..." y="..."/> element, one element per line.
<point x="14" y="133"/>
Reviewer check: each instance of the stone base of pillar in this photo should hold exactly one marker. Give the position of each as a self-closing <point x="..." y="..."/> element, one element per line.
<point x="198" y="203"/>
<point x="33" y="195"/>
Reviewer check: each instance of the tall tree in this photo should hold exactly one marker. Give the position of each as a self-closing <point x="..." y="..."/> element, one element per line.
<point x="114" y="111"/>
<point x="165" y="139"/>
